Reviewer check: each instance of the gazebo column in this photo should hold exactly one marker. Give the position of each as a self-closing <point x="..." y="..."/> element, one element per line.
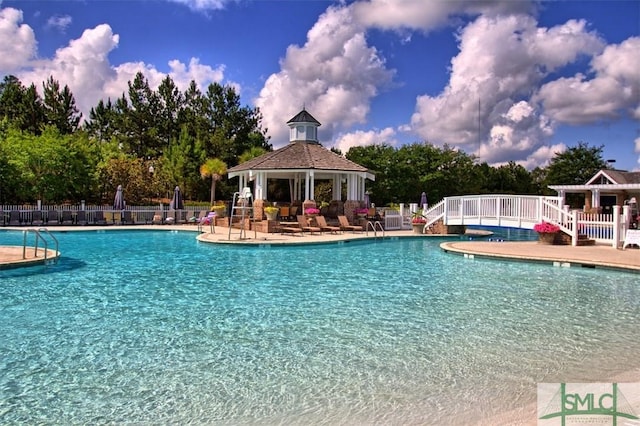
<point x="352" y="202"/>
<point x="336" y="190"/>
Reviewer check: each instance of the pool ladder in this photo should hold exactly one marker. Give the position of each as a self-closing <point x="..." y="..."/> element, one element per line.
<point x="374" y="227"/>
<point x="38" y="236"/>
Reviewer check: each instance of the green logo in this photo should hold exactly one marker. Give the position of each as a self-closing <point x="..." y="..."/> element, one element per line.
<point x="586" y="403"/>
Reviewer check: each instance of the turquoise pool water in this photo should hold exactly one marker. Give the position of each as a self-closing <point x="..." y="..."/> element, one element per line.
<point x="154" y="327"/>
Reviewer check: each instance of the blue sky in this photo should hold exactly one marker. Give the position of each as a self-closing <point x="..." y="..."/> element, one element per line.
<point x="504" y="80"/>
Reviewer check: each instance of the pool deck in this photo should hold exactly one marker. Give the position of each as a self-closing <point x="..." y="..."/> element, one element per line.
<point x="598" y="256"/>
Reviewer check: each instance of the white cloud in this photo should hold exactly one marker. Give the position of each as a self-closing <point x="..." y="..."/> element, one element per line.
<point x="203" y="5"/>
<point x="415" y="15"/>
<point x="613" y="91"/>
<point x="84" y="66"/>
<point x="346" y="141"/>
<point x="485" y="107"/>
<point x="59" y="22"/>
<point x="335" y="75"/>
<point x="17" y="41"/>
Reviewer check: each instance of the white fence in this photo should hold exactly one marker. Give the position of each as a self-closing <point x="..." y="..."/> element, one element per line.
<point x="51" y="215"/>
<point x="522" y="211"/>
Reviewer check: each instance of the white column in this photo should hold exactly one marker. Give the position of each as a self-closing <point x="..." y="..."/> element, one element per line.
<point x="336" y="191"/>
<point x="312" y="185"/>
<point x="258" y="188"/>
<point x="595" y="198"/>
<point x="617" y="235"/>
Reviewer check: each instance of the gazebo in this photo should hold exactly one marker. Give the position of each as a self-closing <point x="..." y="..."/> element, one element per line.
<point x="607" y="188"/>
<point x="302" y="162"/>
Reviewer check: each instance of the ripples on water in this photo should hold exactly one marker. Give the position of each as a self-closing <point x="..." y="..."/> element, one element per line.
<point x="135" y="327"/>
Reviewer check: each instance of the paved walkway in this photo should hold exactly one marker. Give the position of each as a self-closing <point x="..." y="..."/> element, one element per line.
<point x="591" y="256"/>
<point x="603" y="256"/>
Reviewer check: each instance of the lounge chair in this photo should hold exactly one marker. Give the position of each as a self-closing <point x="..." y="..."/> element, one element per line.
<point x="53" y="218"/>
<point x="196" y="217"/>
<point x="290" y="229"/>
<point x="171" y="218"/>
<point x="322" y="223"/>
<point x="345" y="226"/>
<point x="302" y="221"/>
<point x="157" y="218"/>
<point x="127" y="218"/>
<point x="67" y="218"/>
<point x="36" y="218"/>
<point x="293" y="212"/>
<point x="81" y="217"/>
<point x="14" y="218"/>
<point x="98" y="218"/>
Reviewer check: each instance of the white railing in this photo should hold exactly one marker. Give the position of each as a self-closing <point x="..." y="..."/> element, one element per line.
<point x="524" y="211"/>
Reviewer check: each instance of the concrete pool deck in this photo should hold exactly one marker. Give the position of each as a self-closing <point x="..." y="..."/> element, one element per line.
<point x="598" y="256"/>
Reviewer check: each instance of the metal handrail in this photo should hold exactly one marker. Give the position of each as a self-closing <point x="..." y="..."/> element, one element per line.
<point x="38" y="235"/>
<point x="374" y="225"/>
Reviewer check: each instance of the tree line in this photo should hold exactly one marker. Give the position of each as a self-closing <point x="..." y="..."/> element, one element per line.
<point x="150" y="141"/>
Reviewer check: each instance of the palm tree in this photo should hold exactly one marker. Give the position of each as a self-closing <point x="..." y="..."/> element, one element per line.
<point x="214" y="168"/>
<point x="251" y="153"/>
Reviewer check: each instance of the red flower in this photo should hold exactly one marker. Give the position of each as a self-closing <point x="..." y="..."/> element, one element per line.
<point x="546" y="228"/>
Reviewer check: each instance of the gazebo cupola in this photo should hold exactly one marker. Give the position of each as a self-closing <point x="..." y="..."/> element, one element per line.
<point x="303" y="128"/>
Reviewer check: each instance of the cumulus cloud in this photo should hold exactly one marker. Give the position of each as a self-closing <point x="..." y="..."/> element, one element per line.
<point x="346" y="141"/>
<point x="413" y="15"/>
<point x="84" y="66"/>
<point x="19" y="41"/>
<point x="59" y="22"/>
<point x="487" y="106"/>
<point x="613" y="91"/>
<point x="335" y="75"/>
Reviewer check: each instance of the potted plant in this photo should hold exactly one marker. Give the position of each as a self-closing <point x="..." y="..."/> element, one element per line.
<point x="271" y="212"/>
<point x="312" y="211"/>
<point x="418" y="222"/>
<point x="219" y="210"/>
<point x="546" y="232"/>
<point x="361" y="212"/>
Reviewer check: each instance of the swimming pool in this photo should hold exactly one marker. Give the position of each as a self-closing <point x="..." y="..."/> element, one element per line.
<point x="154" y="327"/>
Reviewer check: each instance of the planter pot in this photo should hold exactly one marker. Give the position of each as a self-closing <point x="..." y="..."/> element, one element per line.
<point x="271" y="216"/>
<point x="418" y="228"/>
<point x="547" y="238"/>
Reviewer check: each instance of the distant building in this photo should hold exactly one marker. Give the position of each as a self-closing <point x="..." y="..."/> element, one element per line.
<point x="606" y="189"/>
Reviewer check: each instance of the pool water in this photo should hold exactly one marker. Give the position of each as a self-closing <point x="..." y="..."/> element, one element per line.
<point x="154" y="327"/>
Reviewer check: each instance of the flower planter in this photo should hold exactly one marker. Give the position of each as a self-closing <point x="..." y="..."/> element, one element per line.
<point x="547" y="238"/>
<point x="271" y="216"/>
<point x="418" y="228"/>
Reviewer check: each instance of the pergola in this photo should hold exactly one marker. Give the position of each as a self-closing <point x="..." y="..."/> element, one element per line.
<point x="302" y="162"/>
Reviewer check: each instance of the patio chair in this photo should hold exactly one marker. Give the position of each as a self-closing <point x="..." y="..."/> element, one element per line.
<point x="98" y="218"/>
<point x="14" y="218"/>
<point x="345" y="226"/>
<point x="53" y="218"/>
<point x="302" y="221"/>
<point x="171" y="218"/>
<point x="67" y="218"/>
<point x="322" y="223"/>
<point x="157" y="218"/>
<point x="81" y="217"/>
<point x="36" y="218"/>
<point x="290" y="229"/>
<point x="127" y="218"/>
<point x="284" y="212"/>
<point x="293" y="212"/>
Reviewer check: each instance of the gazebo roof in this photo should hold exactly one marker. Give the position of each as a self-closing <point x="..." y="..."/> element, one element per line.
<point x="303" y="117"/>
<point x="299" y="155"/>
